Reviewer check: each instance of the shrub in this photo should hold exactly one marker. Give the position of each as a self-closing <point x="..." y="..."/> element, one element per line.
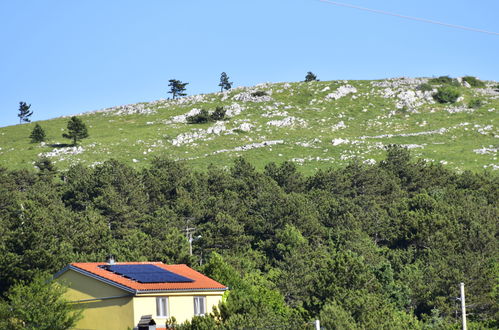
<point x="473" y="81"/>
<point x="202" y="117"/>
<point x="443" y="80"/>
<point x="475" y="103"/>
<point x="447" y="94"/>
<point x="218" y="114"/>
<point x="259" y="93"/>
<point x="425" y="87"/>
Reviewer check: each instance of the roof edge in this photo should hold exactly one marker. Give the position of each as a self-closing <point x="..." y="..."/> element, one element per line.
<point x="181" y="290"/>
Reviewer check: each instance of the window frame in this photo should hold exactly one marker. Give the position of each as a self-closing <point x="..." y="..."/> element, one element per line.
<point x="163" y="302"/>
<point x="198" y="312"/>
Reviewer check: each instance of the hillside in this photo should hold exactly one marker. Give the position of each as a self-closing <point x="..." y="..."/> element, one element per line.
<point x="315" y="125"/>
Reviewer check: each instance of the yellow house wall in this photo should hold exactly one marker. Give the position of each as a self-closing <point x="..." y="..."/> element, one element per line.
<point x="109" y="314"/>
<point x="180" y="305"/>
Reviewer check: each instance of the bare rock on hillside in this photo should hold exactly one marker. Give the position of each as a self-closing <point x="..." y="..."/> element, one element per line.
<point x="234" y="109"/>
<point x="183" y="118"/>
<point x="288" y="122"/>
<point x="61" y="152"/>
<point x="250" y="96"/>
<point x="341" y="92"/>
<point x="412" y="99"/>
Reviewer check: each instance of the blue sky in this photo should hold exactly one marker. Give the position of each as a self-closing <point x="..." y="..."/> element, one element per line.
<point x="66" y="57"/>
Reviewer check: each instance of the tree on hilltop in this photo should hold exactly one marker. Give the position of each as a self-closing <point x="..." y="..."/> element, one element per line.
<point x="177" y="88"/>
<point x="37" y="134"/>
<point x="24" y="112"/>
<point x="77" y="130"/>
<point x="310" y="77"/>
<point x="224" y="82"/>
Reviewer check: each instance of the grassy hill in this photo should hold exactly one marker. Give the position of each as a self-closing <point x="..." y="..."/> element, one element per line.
<point x="314" y="124"/>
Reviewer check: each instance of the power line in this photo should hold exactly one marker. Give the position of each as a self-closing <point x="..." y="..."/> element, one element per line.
<point x="377" y="11"/>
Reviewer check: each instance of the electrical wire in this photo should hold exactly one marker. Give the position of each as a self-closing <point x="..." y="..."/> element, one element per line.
<point x="377" y="11"/>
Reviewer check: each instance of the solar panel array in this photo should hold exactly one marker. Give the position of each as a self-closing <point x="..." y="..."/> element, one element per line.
<point x="146" y="273"/>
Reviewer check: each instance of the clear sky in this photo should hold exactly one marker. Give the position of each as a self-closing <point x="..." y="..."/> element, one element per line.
<point x="66" y="57"/>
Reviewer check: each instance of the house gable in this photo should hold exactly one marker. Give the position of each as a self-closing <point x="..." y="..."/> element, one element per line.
<point x="112" y="307"/>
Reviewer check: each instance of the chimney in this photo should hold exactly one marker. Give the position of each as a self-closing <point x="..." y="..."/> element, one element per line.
<point x="110" y="260"/>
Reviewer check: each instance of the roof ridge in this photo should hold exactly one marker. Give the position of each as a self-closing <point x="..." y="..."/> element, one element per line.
<point x="199" y="281"/>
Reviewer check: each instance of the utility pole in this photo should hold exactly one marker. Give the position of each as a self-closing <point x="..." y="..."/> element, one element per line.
<point x="188" y="232"/>
<point x="463" y="307"/>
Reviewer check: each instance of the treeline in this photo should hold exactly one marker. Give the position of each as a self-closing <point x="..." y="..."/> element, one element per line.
<point x="359" y="247"/>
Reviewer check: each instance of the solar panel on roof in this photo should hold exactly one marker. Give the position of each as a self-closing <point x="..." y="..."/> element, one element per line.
<point x="146" y="273"/>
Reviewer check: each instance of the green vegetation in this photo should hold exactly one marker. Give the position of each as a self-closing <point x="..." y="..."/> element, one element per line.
<point x="177" y="88"/>
<point x="306" y="126"/>
<point x="224" y="84"/>
<point x="447" y="94"/>
<point x="362" y="246"/>
<point x="37" y="134"/>
<point x="24" y="112"/>
<point x="37" y="305"/>
<point x="310" y="77"/>
<point x="202" y="117"/>
<point x="77" y="130"/>
<point x="444" y="80"/>
<point x="425" y="87"/>
<point x="259" y="93"/>
<point x="205" y="117"/>
<point x="474" y="82"/>
<point x="475" y="103"/>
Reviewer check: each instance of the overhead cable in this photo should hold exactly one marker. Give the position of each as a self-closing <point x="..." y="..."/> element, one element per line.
<point x="377" y="11"/>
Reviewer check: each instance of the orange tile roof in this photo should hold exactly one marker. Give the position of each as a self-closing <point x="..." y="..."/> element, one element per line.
<point x="200" y="281"/>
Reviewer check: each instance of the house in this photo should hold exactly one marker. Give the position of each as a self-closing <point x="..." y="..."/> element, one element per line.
<point x="116" y="295"/>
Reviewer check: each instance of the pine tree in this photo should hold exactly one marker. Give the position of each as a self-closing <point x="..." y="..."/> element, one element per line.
<point x="224" y="82"/>
<point x="37" y="134"/>
<point x="310" y="77"/>
<point x="77" y="130"/>
<point x="177" y="88"/>
<point x="24" y="112"/>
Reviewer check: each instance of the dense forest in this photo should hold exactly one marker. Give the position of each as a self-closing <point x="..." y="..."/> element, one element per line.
<point x="380" y="246"/>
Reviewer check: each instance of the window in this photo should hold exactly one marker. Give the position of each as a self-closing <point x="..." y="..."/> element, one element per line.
<point x="199" y="305"/>
<point x="162" y="307"/>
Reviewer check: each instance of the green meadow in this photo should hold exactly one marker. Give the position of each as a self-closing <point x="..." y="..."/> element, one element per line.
<point x="315" y="125"/>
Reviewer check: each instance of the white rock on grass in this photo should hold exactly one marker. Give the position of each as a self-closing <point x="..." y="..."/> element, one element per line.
<point x="287" y="122"/>
<point x="370" y="161"/>
<point x="250" y="146"/>
<point x="492" y="166"/>
<point x="413" y="99"/>
<point x="245" y="127"/>
<point x="341" y="92"/>
<point x="58" y="152"/>
<point x="400" y="82"/>
<point x="340" y="125"/>
<point x="183" y="118"/>
<point x="413" y="146"/>
<point x="199" y="134"/>
<point x="486" y="151"/>
<point x="127" y="109"/>
<point x="217" y="128"/>
<point x="249" y="97"/>
<point x="234" y="109"/>
<point x="338" y="141"/>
